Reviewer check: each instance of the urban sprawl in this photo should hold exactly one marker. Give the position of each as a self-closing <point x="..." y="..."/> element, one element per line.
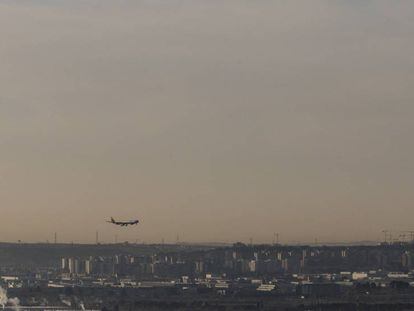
<point x="180" y="276"/>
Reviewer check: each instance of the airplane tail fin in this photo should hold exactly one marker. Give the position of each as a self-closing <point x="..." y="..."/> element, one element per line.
<point x="112" y="220"/>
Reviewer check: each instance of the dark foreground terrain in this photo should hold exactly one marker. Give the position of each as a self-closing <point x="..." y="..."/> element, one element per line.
<point x="175" y="299"/>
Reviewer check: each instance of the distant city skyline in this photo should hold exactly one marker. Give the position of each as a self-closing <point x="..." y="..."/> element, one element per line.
<point x="219" y="121"/>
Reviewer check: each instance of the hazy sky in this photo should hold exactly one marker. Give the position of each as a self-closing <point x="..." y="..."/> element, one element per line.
<point x="218" y="120"/>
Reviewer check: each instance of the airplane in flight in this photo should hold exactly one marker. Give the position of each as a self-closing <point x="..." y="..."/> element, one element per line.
<point x="123" y="223"/>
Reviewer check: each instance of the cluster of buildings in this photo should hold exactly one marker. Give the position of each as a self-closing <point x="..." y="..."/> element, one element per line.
<point x="262" y="267"/>
<point x="242" y="260"/>
<point x="148" y="275"/>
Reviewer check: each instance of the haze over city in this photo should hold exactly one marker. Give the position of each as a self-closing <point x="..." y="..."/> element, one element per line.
<point x="219" y="121"/>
